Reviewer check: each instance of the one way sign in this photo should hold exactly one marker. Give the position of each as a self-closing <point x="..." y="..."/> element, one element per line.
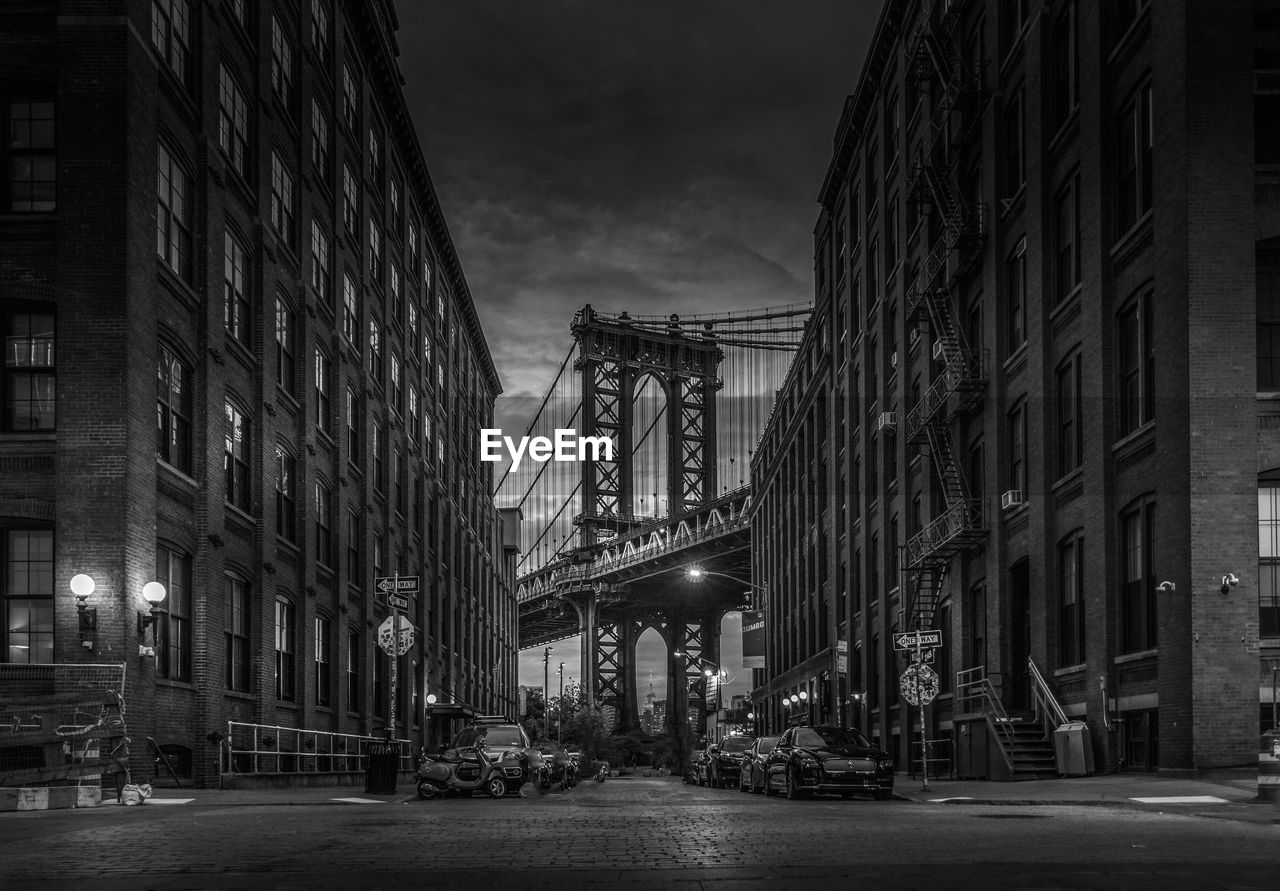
<point x="907" y="640"/>
<point x="405" y="584"/>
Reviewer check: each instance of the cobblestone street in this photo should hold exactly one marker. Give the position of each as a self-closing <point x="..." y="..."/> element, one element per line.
<point x="638" y="832"/>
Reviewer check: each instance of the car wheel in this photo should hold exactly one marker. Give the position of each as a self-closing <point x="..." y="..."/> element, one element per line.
<point x="496" y="787"/>
<point x="428" y="790"/>
<point x="744" y="785"/>
<point x="769" y="791"/>
<point x="882" y="795"/>
<point x="793" y="787"/>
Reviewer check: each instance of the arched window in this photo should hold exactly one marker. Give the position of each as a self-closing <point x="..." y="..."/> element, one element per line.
<point x="236" y="451"/>
<point x="286" y="638"/>
<point x="173" y="615"/>
<point x="238" y="616"/>
<point x="1138" y="587"/>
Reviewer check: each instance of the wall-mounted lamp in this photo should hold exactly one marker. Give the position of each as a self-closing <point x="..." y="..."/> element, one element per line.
<point x="1166" y="587"/>
<point x="82" y="586"/>
<point x="154" y="594"/>
<point x="1229" y="581"/>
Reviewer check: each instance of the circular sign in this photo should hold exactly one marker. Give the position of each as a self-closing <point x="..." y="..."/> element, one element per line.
<point x="919" y="684"/>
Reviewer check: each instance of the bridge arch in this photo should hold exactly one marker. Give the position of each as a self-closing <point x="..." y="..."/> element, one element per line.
<point x="651" y="459"/>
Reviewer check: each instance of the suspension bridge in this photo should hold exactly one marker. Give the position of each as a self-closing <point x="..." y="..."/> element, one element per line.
<point x="609" y="540"/>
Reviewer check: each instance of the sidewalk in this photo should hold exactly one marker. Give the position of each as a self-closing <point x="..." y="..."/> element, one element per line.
<point x="311" y="795"/>
<point x="1231" y="795"/>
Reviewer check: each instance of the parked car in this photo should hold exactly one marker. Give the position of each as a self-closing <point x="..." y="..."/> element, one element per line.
<point x="724" y="760"/>
<point x="751" y="776"/>
<point x="698" y="764"/>
<point x="506" y="742"/>
<point x="827" y="759"/>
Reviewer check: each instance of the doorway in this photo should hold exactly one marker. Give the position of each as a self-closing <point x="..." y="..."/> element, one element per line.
<point x="1017" y="689"/>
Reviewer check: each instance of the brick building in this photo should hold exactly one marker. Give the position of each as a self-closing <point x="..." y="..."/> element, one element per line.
<point x="240" y="359"/>
<point x="1045" y="263"/>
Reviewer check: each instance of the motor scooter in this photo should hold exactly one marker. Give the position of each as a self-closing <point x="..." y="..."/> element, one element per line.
<point x="471" y="770"/>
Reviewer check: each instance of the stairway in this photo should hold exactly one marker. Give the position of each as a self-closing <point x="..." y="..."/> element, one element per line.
<point x="1032" y="754"/>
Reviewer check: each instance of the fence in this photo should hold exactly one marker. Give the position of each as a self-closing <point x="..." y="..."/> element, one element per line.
<point x="61" y="723"/>
<point x="940" y="758"/>
<point x="264" y="748"/>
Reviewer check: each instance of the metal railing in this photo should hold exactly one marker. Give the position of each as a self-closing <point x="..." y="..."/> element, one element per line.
<point x="963" y="516"/>
<point x="976" y="693"/>
<point x="1045" y="706"/>
<point x="265" y="748"/>
<point x="941" y="760"/>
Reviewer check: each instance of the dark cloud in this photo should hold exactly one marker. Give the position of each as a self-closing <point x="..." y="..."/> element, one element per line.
<point x="657" y="157"/>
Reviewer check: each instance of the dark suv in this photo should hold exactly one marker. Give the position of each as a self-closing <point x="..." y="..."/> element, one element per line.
<point x="503" y="741"/>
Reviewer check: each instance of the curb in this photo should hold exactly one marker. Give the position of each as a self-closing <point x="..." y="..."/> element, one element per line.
<point x="48" y="798"/>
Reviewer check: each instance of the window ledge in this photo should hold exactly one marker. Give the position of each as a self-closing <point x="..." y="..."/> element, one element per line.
<point x="238" y="515"/>
<point x="1066" y="132"/>
<point x="1130" y="241"/>
<point x="1069" y="669"/>
<point x="1073" y="476"/>
<point x="1012" y="205"/>
<point x="178" y="476"/>
<point x="1017" y="360"/>
<point x="29" y="436"/>
<point x="1136" y="657"/>
<point x="175" y="684"/>
<point x="1134" y="441"/>
<point x="239" y="694"/>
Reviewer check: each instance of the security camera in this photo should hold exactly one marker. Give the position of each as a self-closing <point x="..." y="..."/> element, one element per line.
<point x="1166" y="586"/>
<point x="1232" y="580"/>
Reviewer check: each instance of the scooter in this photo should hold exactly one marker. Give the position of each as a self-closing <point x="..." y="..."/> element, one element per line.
<point x="461" y="775"/>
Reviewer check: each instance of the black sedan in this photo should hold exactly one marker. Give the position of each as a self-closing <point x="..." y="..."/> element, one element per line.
<point x="724" y="760"/>
<point x="751" y="777"/>
<point x="827" y="759"/>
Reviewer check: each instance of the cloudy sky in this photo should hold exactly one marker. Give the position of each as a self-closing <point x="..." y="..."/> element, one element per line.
<point x="655" y="157"/>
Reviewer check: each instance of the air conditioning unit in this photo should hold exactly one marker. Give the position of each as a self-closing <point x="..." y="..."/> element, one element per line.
<point x="893" y="360"/>
<point x="887" y="419"/>
<point x="1012" y="498"/>
<point x="937" y="349"/>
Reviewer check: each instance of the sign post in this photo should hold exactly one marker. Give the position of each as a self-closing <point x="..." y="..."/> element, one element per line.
<point x="920" y="684"/>
<point x="396" y="636"/>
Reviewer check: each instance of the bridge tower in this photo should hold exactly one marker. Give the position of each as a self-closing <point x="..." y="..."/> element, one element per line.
<point x="614" y="356"/>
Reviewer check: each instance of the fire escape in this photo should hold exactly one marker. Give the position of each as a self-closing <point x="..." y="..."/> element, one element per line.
<point x="958" y="231"/>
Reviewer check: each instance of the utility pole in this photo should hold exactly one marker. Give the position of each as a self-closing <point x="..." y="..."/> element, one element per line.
<point x="546" y="700"/>
<point x="560" y="708"/>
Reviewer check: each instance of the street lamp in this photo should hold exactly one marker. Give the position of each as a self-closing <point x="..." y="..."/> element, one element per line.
<point x="82" y="586"/>
<point x="546" y="685"/>
<point x="560" y="707"/>
<point x="154" y="593"/>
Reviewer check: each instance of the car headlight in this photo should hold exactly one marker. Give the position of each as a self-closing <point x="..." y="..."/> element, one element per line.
<point x="808" y="761"/>
<point x="884" y="764"/>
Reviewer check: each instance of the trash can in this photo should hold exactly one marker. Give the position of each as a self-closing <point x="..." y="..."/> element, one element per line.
<point x="1073" y="750"/>
<point x="1269" y="767"/>
<point x="384" y="767"/>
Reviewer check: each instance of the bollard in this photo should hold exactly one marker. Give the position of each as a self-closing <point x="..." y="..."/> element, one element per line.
<point x="1269" y="767"/>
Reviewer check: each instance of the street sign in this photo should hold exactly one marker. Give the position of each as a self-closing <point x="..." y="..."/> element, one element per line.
<point x="397" y="601"/>
<point x="393" y="643"/>
<point x="909" y="640"/>
<point x="919" y="684"/>
<point x="405" y="584"/>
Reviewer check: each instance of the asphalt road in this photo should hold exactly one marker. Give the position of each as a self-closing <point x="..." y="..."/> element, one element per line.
<point x="631" y="833"/>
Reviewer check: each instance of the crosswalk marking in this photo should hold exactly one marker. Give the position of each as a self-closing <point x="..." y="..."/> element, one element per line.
<point x="170" y="800"/>
<point x="1182" y="799"/>
<point x="361" y="800"/>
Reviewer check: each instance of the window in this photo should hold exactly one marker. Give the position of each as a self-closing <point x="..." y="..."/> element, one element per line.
<point x="1266" y="107"/>
<point x="1018" y="447"/>
<point x="942" y="657"/>
<point x="350" y="309"/>
<point x="1267" y="258"/>
<point x="1013" y="21"/>
<point x="397" y="300"/>
<point x="1127" y="12"/>
<point x="353" y="426"/>
<point x="1269" y="556"/>
<point x="281" y="65"/>
<point x="235" y="461"/>
<point x="173" y="615"/>
<point x="171" y="34"/>
<point x="397" y="474"/>
<point x="354" y="575"/>
<point x="233" y="122"/>
<point x="173" y="411"/>
<point x="977" y="616"/>
<point x="1064" y="81"/>
<point x="873" y="674"/>
<point x="282" y="216"/>
<point x="1133" y="158"/>
<point x="324" y="524"/>
<point x="411" y="245"/>
<point x="1071" y="601"/>
<point x="1138" y="595"/>
<point x="375" y="350"/>
<point x="350" y="200"/>
<point x="397" y="209"/>
<point x="413" y="414"/>
<point x="320" y="156"/>
<point x="1137" y="365"/>
<point x="873" y="285"/>
<point x="324" y="680"/>
<point x="320" y="29"/>
<point x="173" y="213"/>
<point x="26" y="595"/>
<point x="1016" y="268"/>
<point x="286" y="332"/>
<point x="350" y="98"/>
<point x="353" y="671"/>
<point x="397" y="391"/>
<point x="286" y="495"/>
<point x="1070" y="416"/>
<point x="1066" y="232"/>
<point x="379" y="458"/>
<point x="323" y="384"/>
<point x="237" y="677"/>
<point x="321" y="272"/>
<point x="1015" y="144"/>
<point x="375" y="154"/>
<point x="375" y="252"/>
<point x="30" y="155"/>
<point x="30" y="385"/>
<point x="236" y="312"/>
<point x="286" y="631"/>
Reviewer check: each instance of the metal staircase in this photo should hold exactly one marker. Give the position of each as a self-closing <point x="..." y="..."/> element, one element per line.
<point x="1025" y="741"/>
<point x="960" y="233"/>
